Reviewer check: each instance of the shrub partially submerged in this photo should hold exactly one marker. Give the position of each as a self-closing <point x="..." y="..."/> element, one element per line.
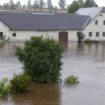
<point x="41" y="59"/>
<point x="71" y="80"/>
<point x="5" y="87"/>
<point x="20" y="82"/>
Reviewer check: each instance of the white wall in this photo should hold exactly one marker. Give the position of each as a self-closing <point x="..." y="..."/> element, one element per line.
<point x="24" y="35"/>
<point x="96" y="28"/>
<point x="4" y="29"/>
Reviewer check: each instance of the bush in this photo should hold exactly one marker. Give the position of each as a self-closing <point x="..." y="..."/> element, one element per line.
<point x="20" y="82"/>
<point x="5" y="87"/>
<point x="71" y="80"/>
<point x="41" y="59"/>
<point x="80" y="36"/>
<point x="87" y="41"/>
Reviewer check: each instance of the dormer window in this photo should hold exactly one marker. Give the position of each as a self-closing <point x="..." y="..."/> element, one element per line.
<point x="96" y="22"/>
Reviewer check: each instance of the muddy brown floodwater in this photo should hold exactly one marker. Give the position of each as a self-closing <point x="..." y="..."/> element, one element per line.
<point x="87" y="61"/>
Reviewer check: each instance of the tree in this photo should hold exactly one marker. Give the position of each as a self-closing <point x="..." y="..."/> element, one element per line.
<point x="41" y="4"/>
<point x="6" y="6"/>
<point x="55" y="9"/>
<point x="35" y="4"/>
<point x="81" y="4"/>
<point x="73" y="7"/>
<point x="62" y="4"/>
<point x="12" y="5"/>
<point x="50" y="6"/>
<point x="29" y="5"/>
<point x="41" y="59"/>
<point x="90" y="3"/>
<point x="81" y="1"/>
<point x="18" y="4"/>
<point x="80" y="36"/>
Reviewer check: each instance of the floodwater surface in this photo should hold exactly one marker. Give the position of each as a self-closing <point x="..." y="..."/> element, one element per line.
<point x="87" y="61"/>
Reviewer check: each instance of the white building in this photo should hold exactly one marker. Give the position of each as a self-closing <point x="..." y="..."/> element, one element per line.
<point x="63" y="27"/>
<point x="95" y="30"/>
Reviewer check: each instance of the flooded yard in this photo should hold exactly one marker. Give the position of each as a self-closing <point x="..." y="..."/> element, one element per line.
<point x="87" y="61"/>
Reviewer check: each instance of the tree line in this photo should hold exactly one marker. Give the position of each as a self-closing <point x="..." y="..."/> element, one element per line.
<point x="37" y="4"/>
<point x="40" y="4"/>
<point x="76" y="4"/>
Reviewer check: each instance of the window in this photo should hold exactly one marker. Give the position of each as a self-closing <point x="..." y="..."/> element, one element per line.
<point x="96" y="22"/>
<point x="14" y="34"/>
<point x="104" y="22"/>
<point x="1" y="34"/>
<point x="101" y="15"/>
<point x="103" y="34"/>
<point x="97" y="34"/>
<point x="90" y="34"/>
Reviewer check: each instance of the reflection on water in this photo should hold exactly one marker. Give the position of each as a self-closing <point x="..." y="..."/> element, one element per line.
<point x="86" y="61"/>
<point x="37" y="94"/>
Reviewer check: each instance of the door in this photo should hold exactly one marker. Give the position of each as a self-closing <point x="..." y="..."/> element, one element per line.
<point x="63" y="36"/>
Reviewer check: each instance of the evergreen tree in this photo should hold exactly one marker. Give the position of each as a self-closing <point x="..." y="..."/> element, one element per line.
<point x="35" y="4"/>
<point x="62" y="4"/>
<point x="6" y="6"/>
<point x="29" y="5"/>
<point x="50" y="6"/>
<point x="12" y="5"/>
<point x="41" y="4"/>
<point x="55" y="9"/>
<point x="18" y="4"/>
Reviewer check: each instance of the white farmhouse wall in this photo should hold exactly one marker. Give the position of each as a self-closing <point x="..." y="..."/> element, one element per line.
<point x="96" y="28"/>
<point x="72" y="35"/>
<point x="4" y="29"/>
<point x="24" y="35"/>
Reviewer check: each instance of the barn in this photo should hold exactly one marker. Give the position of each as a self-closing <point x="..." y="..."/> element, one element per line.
<point x="62" y="27"/>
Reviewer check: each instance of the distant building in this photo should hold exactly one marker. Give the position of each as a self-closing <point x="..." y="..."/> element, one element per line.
<point x="95" y="30"/>
<point x="20" y="26"/>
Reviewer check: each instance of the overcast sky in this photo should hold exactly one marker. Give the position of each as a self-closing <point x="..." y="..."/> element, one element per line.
<point x="55" y="2"/>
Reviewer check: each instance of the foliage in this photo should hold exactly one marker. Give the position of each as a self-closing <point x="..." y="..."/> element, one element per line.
<point x="50" y="6"/>
<point x="35" y="4"/>
<point x="12" y="5"/>
<point x="5" y="87"/>
<point x="73" y="7"/>
<point x="29" y="5"/>
<point x="41" y="59"/>
<point x="41" y="4"/>
<point x="4" y="39"/>
<point x="80" y="36"/>
<point x="62" y="4"/>
<point x="87" y="40"/>
<point x="80" y="4"/>
<point x="90" y="3"/>
<point x="71" y="80"/>
<point x="20" y="82"/>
